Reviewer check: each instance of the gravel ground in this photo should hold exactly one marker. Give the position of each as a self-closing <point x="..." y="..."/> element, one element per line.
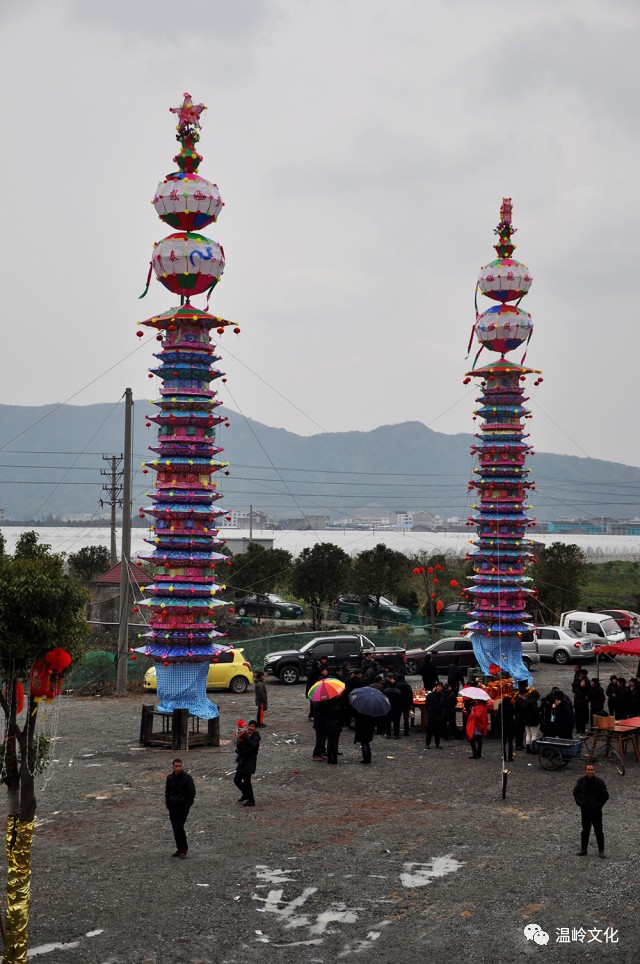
<point x="415" y="855"/>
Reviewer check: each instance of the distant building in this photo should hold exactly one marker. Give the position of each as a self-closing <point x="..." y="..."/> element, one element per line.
<point x="424" y="521"/>
<point x="306" y="523"/>
<point x="246" y="519"/>
<point x="623" y="527"/>
<point x="591" y="527"/>
<point x="105" y="592"/>
<point x="402" y="520"/>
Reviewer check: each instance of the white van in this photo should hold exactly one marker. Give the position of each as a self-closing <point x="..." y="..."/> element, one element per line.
<point x="594" y="624"/>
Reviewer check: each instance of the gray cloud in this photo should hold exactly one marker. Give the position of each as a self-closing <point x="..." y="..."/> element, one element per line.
<point x="362" y="150"/>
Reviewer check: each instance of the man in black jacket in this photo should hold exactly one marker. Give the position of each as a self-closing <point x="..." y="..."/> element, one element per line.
<point x="247" y="746"/>
<point x="406" y="689"/>
<point x="591" y="794"/>
<point x="179" y="794"/>
<point x="435" y="716"/>
<point x="394" y="695"/>
<point x="429" y="673"/>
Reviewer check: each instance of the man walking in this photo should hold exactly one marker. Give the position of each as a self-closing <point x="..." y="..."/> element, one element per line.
<point x="247" y="746"/>
<point x="591" y="794"/>
<point x="260" y="698"/>
<point x="179" y="794"/>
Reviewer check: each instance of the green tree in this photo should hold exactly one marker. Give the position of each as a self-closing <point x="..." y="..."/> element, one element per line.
<point x="379" y="572"/>
<point x="29" y="547"/>
<point x="441" y="578"/>
<point x="260" y="570"/>
<point x="89" y="562"/>
<point x="40" y="609"/>
<point x="558" y="576"/>
<point x="319" y="575"/>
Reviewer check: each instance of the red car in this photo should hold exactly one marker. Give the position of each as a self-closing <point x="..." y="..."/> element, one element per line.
<point x="623" y="617"/>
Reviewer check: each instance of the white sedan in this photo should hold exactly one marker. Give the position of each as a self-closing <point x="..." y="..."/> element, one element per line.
<point x="563" y="645"/>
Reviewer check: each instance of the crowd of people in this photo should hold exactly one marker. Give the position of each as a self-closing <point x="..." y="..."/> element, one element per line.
<point x="518" y="719"/>
<point x="330" y="717"/>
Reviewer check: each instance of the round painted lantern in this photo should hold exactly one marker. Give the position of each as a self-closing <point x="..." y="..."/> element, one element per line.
<point x="504" y="280"/>
<point x="187" y="263"/>
<point x="503" y="328"/>
<point x="187" y="201"/>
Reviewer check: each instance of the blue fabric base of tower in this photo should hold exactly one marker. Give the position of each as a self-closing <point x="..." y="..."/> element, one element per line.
<point x="505" y="652"/>
<point x="183" y="686"/>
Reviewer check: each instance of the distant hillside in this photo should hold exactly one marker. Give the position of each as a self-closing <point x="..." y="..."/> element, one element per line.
<point x="404" y="467"/>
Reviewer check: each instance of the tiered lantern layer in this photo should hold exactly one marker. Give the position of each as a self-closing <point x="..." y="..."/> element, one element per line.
<point x="500" y="588"/>
<point x="184" y="610"/>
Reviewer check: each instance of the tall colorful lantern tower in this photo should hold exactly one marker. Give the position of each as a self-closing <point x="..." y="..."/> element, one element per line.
<point x="184" y="609"/>
<point x="500" y="587"/>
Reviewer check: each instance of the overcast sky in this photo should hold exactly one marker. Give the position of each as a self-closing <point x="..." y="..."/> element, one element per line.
<point x="362" y="148"/>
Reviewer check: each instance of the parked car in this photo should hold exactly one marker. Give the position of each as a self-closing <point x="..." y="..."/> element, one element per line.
<point x="230" y="672"/>
<point x="289" y="665"/>
<point x="593" y="624"/>
<point x="563" y="644"/>
<point x="351" y="609"/>
<point x="445" y="651"/>
<point x="270" y="605"/>
<point x="455" y="616"/>
<point x="623" y="617"/>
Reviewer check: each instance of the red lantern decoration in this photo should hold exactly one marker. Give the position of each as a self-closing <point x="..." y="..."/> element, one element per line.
<point x="58" y="659"/>
<point x="453" y="583"/>
<point x="439" y="606"/>
<point x="19" y="697"/>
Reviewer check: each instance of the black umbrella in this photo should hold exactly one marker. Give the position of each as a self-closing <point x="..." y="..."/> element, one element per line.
<point x="369" y="701"/>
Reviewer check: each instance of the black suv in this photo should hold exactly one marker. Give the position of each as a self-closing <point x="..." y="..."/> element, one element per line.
<point x="290" y="664"/>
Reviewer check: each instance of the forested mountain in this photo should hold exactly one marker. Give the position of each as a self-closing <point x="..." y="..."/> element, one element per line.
<point x="50" y="462"/>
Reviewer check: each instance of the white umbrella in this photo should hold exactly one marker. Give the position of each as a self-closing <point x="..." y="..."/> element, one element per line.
<point x="474" y="693"/>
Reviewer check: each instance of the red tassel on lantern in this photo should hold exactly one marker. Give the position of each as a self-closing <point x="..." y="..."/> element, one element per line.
<point x="40" y="679"/>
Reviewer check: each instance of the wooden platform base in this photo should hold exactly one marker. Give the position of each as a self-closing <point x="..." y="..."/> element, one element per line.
<point x="178" y="730"/>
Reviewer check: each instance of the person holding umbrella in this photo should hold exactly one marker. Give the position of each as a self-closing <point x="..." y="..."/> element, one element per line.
<point x="327" y="718"/>
<point x="477" y="727"/>
<point x="367" y="703"/>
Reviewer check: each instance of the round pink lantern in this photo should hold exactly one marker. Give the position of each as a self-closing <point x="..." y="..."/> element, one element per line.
<point x="187" y="263"/>
<point x="504" y="280"/>
<point x="503" y="328"/>
<point x="187" y="201"/>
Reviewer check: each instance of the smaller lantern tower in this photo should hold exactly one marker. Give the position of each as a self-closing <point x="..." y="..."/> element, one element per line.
<point x="500" y="588"/>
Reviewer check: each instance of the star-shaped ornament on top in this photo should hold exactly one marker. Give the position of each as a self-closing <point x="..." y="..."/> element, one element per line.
<point x="188" y="112"/>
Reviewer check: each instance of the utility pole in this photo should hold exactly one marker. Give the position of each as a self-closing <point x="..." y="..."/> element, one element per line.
<point x="114" y="491"/>
<point x="125" y="555"/>
<point x="250" y="523"/>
